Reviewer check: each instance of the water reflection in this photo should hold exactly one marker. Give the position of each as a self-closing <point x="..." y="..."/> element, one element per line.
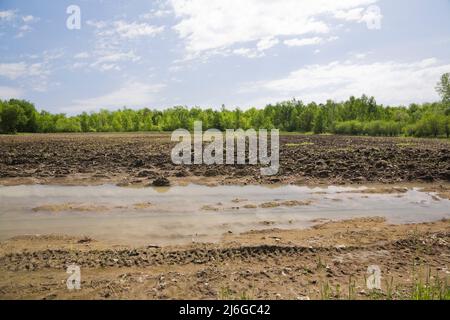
<point x="170" y="215"/>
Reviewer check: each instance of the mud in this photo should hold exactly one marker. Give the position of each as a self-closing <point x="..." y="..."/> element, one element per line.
<point x="69" y="207"/>
<point x="327" y="261"/>
<point x="144" y="159"/>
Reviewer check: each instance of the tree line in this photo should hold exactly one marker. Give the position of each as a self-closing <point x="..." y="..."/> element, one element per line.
<point x="355" y="116"/>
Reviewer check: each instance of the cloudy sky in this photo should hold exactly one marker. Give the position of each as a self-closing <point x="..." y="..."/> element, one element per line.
<point x="212" y="52"/>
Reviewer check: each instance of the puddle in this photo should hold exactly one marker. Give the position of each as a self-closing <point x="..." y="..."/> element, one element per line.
<point x="182" y="214"/>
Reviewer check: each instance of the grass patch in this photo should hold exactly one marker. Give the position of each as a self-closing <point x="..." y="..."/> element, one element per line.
<point x="405" y="144"/>
<point x="299" y="144"/>
<point x="429" y="286"/>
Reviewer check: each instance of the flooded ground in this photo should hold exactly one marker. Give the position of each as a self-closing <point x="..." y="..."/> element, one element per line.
<point x="193" y="213"/>
<point x="262" y="242"/>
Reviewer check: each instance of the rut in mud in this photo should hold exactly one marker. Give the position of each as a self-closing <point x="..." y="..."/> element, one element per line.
<point x="61" y="259"/>
<point x="284" y="265"/>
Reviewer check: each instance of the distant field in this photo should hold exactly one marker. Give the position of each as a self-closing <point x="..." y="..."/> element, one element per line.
<point x="137" y="158"/>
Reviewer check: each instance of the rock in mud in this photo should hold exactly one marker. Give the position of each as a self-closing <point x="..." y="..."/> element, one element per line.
<point x="146" y="173"/>
<point x="161" y="182"/>
<point x="211" y="173"/>
<point x="137" y="163"/>
<point x="182" y="173"/>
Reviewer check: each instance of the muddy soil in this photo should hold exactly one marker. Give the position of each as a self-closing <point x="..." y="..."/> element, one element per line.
<point x="140" y="159"/>
<point x="328" y="261"/>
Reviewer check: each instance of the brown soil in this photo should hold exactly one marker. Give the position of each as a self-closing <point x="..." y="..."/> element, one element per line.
<point x="140" y="159"/>
<point x="271" y="264"/>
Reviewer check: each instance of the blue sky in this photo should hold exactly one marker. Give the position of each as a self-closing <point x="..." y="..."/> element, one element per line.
<point x="211" y="52"/>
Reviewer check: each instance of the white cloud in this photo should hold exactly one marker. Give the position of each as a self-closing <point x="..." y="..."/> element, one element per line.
<point x="390" y="82"/>
<point x="248" y="53"/>
<point x="108" y="67"/>
<point x="109" y="60"/>
<point x="23" y="30"/>
<point x="52" y="55"/>
<point x="78" y="65"/>
<point x="29" y="19"/>
<point x="97" y="24"/>
<point x="118" y="56"/>
<point x="37" y="69"/>
<point x="10" y="92"/>
<point x="131" y="94"/>
<point x="160" y="13"/>
<point x="261" y="46"/>
<point x="25" y="27"/>
<point x="11" y="15"/>
<point x="308" y="41"/>
<point x="13" y="70"/>
<point x="111" y="40"/>
<point x="135" y="30"/>
<point x="350" y="15"/>
<point x="82" y="55"/>
<point x="217" y="24"/>
<point x="360" y="55"/>
<point x="266" y="43"/>
<point x="21" y="23"/>
<point x="296" y="42"/>
<point x="303" y="42"/>
<point x="126" y="30"/>
<point x="21" y="69"/>
<point x="371" y="16"/>
<point x="34" y="72"/>
<point x="7" y="15"/>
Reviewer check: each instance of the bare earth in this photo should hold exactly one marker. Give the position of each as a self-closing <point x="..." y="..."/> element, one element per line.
<point x="327" y="261"/>
<point x="140" y="158"/>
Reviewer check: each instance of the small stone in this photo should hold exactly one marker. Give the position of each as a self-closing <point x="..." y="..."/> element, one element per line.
<point x="138" y="163"/>
<point x="145" y="173"/>
<point x="161" y="182"/>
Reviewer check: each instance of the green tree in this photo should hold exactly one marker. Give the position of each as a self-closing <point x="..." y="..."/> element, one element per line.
<point x="28" y="121"/>
<point x="11" y="117"/>
<point x="64" y="124"/>
<point x="446" y="126"/>
<point x="431" y="125"/>
<point x="84" y="122"/>
<point x="319" y="122"/>
<point x="306" y="119"/>
<point x="443" y="88"/>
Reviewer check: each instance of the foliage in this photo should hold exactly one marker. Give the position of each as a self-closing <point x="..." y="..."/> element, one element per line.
<point x="356" y="116"/>
<point x="443" y="88"/>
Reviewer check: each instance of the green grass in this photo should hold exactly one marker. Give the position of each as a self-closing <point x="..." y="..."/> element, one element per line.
<point x="299" y="144"/>
<point x="426" y="287"/>
<point x="431" y="288"/>
<point x="406" y="144"/>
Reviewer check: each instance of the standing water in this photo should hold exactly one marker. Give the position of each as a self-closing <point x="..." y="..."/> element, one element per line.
<point x="184" y="214"/>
